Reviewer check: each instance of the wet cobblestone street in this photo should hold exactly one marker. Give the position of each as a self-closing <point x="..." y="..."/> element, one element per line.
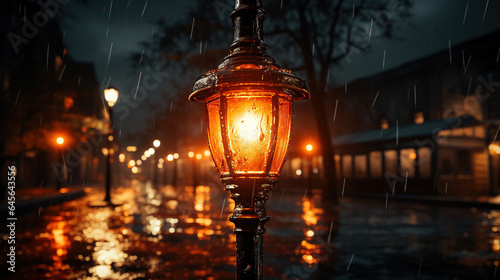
<point x="169" y="233"/>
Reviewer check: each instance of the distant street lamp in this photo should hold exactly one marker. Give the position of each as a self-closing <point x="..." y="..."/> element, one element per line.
<point x="111" y="96"/>
<point x="309" y="149"/>
<point x="59" y="153"/>
<point x="248" y="102"/>
<point x="156" y="144"/>
<point x="193" y="166"/>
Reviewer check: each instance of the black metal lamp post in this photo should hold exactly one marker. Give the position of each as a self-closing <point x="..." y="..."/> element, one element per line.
<point x="248" y="106"/>
<point x="309" y="149"/>
<point x="59" y="153"/>
<point x="111" y="96"/>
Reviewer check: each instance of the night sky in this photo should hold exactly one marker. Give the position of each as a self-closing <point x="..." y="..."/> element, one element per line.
<point x="95" y="34"/>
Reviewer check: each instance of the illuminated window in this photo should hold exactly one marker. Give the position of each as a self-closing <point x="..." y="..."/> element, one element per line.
<point x="337" y="164"/>
<point x="419" y="118"/>
<point x="375" y="164"/>
<point x="296" y="165"/>
<point x="347" y="166"/>
<point x="408" y="157"/>
<point x="391" y="161"/>
<point x="424" y="162"/>
<point x="360" y="166"/>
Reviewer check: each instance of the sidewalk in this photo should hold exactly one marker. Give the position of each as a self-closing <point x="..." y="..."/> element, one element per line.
<point x="31" y="199"/>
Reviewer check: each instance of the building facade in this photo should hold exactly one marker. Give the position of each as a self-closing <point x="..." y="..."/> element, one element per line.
<point x="45" y="94"/>
<point x="428" y="127"/>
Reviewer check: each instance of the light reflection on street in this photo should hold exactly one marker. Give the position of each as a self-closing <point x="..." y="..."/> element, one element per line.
<point x="61" y="243"/>
<point x="311" y="215"/>
<point x="162" y="232"/>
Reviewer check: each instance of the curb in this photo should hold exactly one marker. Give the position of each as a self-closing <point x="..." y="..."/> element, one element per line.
<point x="32" y="205"/>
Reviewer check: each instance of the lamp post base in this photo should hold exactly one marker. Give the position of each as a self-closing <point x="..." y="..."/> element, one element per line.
<point x="249" y="216"/>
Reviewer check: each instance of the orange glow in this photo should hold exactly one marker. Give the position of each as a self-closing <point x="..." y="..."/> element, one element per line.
<point x="61" y="242"/>
<point x="494" y="149"/>
<point x="309" y="147"/>
<point x="190" y="154"/>
<point x="170" y="157"/>
<point x="248" y="66"/>
<point x="68" y="102"/>
<point x="207" y="153"/>
<point x="111" y="96"/>
<point x="131" y="148"/>
<point x="60" y="140"/>
<point x="156" y="143"/>
<point x="64" y="190"/>
<point x="257" y="124"/>
<point x="310" y="233"/>
<point x="413" y="156"/>
<point x="202" y="196"/>
<point x="496" y="245"/>
<point x="311" y="213"/>
<point x="198" y="156"/>
<point x="308" y="259"/>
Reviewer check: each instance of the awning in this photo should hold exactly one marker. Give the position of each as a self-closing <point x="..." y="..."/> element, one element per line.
<point x="400" y="135"/>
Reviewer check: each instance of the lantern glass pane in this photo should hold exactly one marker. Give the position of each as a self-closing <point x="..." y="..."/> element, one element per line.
<point x="249" y="119"/>
<point x="214" y="135"/>
<point x="283" y="137"/>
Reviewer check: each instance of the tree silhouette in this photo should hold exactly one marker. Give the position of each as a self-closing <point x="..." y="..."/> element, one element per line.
<point x="311" y="38"/>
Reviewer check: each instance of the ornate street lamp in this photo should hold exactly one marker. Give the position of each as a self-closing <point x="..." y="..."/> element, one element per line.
<point x="156" y="144"/>
<point x="248" y="107"/>
<point x="111" y="96"/>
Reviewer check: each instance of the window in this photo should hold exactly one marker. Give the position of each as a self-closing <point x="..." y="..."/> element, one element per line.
<point x="391" y="161"/>
<point x="296" y="165"/>
<point x="446" y="159"/>
<point x="347" y="166"/>
<point x="337" y="165"/>
<point x="376" y="164"/>
<point x="408" y="157"/>
<point x="360" y="170"/>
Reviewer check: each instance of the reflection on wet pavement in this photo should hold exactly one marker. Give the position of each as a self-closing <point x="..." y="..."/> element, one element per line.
<point x="184" y="233"/>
